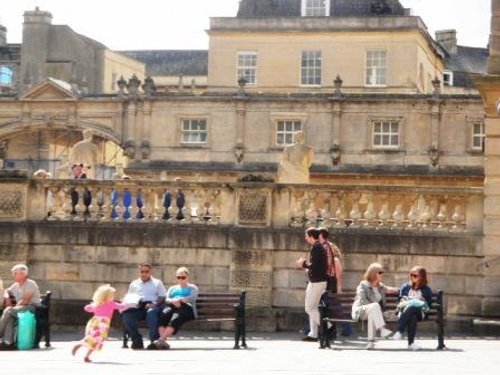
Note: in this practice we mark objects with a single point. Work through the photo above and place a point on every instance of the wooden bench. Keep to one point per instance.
(42, 314)
(220, 307)
(335, 308)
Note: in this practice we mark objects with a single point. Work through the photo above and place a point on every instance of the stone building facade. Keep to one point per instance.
(398, 169)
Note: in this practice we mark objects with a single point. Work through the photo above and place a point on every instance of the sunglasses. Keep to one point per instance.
(181, 277)
(380, 272)
(414, 275)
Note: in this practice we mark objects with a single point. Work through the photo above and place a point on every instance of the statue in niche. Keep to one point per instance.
(3, 152)
(86, 153)
(295, 162)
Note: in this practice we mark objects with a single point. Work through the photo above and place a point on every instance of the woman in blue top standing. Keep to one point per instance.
(180, 308)
(415, 298)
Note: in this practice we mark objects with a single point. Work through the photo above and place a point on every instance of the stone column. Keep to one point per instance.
(239, 147)
(489, 87)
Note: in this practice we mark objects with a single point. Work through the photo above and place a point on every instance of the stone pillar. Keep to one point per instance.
(239, 148)
(146, 132)
(435, 112)
(489, 87)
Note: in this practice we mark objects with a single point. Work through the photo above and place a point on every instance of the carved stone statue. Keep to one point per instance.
(295, 162)
(120, 173)
(3, 152)
(42, 174)
(86, 153)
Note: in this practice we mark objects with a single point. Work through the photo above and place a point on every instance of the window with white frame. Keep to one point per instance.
(386, 134)
(285, 131)
(376, 68)
(194, 131)
(247, 66)
(310, 68)
(478, 136)
(448, 78)
(315, 8)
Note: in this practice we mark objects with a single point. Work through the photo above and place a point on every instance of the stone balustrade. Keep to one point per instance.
(353, 207)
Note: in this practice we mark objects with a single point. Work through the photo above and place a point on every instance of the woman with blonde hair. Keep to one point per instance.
(180, 308)
(370, 302)
(97, 328)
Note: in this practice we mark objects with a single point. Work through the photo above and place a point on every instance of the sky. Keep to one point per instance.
(182, 24)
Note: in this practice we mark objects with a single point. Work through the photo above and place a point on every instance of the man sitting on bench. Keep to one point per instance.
(151, 296)
(21, 296)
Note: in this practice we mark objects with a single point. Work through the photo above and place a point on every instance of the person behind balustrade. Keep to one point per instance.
(78, 171)
(22, 295)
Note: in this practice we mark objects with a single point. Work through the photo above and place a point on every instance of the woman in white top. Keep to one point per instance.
(370, 302)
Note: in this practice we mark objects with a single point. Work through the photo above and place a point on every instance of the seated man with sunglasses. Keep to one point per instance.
(151, 294)
(180, 308)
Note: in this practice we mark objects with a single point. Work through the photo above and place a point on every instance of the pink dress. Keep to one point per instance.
(97, 328)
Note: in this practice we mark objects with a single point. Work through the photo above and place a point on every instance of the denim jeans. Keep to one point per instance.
(408, 319)
(132, 317)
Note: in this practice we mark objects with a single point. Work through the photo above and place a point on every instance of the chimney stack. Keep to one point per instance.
(3, 36)
(35, 46)
(448, 39)
(494, 44)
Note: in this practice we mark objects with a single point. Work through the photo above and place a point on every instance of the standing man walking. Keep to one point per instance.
(317, 273)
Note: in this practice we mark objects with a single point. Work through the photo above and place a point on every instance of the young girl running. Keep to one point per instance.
(97, 328)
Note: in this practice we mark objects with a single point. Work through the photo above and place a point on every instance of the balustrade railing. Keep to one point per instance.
(356, 207)
(113, 201)
(388, 208)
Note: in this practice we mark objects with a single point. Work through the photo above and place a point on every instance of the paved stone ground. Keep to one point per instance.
(276, 353)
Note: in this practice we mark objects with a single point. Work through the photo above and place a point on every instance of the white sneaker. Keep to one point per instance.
(397, 336)
(384, 332)
(414, 347)
(370, 345)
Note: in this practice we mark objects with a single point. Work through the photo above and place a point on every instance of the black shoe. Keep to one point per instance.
(152, 346)
(309, 338)
(5, 347)
(139, 345)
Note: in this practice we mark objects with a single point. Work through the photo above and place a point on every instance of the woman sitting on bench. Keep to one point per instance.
(180, 308)
(370, 302)
(415, 299)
